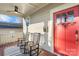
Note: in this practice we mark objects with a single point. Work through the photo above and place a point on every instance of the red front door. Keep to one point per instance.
(66, 31)
(72, 38)
(59, 34)
(60, 39)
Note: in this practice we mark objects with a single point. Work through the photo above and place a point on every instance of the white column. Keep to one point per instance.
(24, 28)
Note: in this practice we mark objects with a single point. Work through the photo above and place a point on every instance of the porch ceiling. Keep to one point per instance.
(25, 8)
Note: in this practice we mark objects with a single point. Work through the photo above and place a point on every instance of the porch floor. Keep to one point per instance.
(14, 50)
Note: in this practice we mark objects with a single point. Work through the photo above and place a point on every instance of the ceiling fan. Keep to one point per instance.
(15, 10)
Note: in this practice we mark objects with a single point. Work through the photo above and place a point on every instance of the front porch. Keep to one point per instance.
(12, 49)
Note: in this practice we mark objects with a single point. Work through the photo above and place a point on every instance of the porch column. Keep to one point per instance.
(26, 23)
(25, 29)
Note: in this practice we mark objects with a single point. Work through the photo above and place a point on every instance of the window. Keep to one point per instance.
(70, 16)
(58, 19)
(64, 17)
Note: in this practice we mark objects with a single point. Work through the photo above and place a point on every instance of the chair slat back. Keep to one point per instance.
(36, 38)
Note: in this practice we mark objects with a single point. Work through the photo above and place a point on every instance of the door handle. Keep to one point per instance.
(76, 34)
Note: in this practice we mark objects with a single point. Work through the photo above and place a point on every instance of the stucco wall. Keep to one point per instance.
(45, 15)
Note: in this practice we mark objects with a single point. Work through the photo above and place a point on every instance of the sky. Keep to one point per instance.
(9, 19)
